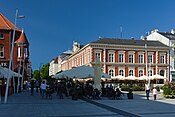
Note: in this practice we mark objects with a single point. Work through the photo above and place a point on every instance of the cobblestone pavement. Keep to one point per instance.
(23, 104)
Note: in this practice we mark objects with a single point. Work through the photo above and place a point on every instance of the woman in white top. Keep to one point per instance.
(147, 88)
(43, 88)
(155, 93)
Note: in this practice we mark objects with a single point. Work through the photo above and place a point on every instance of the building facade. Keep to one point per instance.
(167, 38)
(53, 67)
(21, 55)
(123, 57)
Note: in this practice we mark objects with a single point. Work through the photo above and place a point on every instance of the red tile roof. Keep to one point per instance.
(22, 39)
(6, 24)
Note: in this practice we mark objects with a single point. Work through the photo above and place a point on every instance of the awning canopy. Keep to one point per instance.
(80, 72)
(5, 71)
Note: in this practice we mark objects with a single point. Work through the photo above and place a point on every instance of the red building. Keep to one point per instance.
(21, 54)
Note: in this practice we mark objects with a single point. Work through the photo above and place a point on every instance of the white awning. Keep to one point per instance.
(80, 72)
(5, 71)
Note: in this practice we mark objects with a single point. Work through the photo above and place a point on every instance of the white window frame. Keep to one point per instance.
(123, 59)
(121, 73)
(121, 68)
(25, 52)
(97, 54)
(19, 52)
(111, 57)
(132, 55)
(131, 58)
(162, 55)
(150, 56)
(139, 74)
(141, 59)
(2, 51)
(131, 72)
(111, 72)
(150, 72)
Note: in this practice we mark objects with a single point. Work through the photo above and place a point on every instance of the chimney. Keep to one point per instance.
(172, 31)
(142, 37)
(154, 30)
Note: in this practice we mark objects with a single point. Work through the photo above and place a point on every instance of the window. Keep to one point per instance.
(19, 52)
(131, 59)
(131, 73)
(111, 72)
(1, 51)
(111, 57)
(121, 58)
(162, 72)
(121, 72)
(141, 58)
(1, 36)
(97, 56)
(150, 59)
(150, 73)
(162, 59)
(25, 52)
(140, 73)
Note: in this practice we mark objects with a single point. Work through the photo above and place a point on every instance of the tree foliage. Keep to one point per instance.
(36, 74)
(43, 73)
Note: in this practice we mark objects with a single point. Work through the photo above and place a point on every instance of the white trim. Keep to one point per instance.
(2, 51)
(111, 68)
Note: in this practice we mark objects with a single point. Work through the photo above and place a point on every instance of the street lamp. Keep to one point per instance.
(11, 54)
(23, 72)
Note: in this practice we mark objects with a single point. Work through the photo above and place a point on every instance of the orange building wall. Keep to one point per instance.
(136, 57)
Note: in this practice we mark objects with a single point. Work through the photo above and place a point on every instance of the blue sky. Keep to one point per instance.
(51, 26)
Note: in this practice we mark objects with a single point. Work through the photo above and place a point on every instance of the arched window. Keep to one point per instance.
(150, 73)
(131, 73)
(121, 72)
(140, 73)
(111, 72)
(162, 72)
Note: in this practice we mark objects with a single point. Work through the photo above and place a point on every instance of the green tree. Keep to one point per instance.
(36, 74)
(44, 71)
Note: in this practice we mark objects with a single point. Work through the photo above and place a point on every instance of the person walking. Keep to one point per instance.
(32, 85)
(37, 85)
(147, 88)
(155, 93)
(43, 88)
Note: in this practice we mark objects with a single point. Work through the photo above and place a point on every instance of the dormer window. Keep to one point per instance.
(1, 36)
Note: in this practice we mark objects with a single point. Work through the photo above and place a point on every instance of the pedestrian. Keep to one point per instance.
(155, 93)
(43, 88)
(28, 85)
(32, 84)
(147, 88)
(37, 85)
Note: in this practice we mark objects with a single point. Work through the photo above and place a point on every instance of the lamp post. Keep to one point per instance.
(11, 54)
(19, 69)
(22, 74)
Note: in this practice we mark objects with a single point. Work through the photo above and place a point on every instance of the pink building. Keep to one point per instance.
(122, 57)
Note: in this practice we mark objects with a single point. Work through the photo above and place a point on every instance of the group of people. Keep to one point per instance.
(78, 90)
(147, 89)
(39, 86)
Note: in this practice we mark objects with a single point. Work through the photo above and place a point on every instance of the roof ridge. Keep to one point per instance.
(7, 23)
(3, 18)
